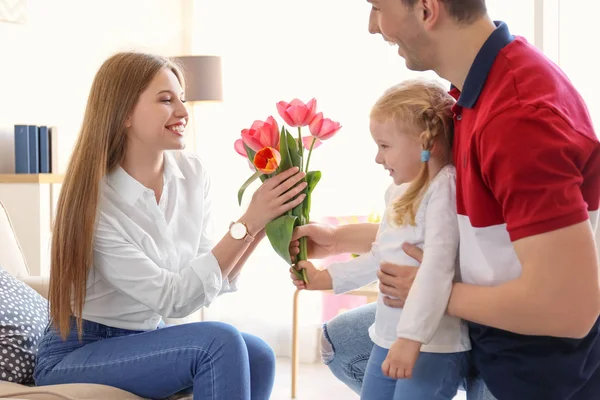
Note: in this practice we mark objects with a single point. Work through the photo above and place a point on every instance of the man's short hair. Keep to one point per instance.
(463, 11)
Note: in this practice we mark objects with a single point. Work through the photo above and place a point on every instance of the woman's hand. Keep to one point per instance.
(320, 240)
(273, 198)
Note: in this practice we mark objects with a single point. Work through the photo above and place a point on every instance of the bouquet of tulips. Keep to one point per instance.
(271, 150)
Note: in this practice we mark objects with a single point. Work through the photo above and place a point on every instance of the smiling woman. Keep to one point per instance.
(132, 243)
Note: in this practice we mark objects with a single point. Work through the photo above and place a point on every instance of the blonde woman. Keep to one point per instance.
(412, 127)
(132, 243)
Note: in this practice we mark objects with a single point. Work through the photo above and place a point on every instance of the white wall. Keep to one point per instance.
(578, 39)
(46, 70)
(47, 65)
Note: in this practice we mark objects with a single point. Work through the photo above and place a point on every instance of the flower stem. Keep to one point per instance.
(303, 243)
(300, 144)
(310, 153)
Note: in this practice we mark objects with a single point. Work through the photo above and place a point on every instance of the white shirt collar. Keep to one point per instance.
(130, 189)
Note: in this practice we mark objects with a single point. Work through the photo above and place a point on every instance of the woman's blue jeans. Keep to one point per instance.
(212, 359)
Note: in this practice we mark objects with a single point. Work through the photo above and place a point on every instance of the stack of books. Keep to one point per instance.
(35, 149)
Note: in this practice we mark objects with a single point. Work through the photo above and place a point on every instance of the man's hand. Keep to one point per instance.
(395, 281)
(401, 359)
(317, 279)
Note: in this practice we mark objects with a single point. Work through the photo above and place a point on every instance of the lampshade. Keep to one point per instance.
(203, 81)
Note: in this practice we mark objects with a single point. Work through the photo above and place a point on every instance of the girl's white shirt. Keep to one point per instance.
(423, 317)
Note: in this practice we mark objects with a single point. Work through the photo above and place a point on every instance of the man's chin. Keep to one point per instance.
(414, 66)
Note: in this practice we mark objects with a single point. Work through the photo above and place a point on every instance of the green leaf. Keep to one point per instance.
(279, 231)
(293, 148)
(312, 178)
(246, 184)
(284, 152)
(251, 153)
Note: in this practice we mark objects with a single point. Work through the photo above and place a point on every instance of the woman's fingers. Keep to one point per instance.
(290, 194)
(277, 179)
(288, 183)
(291, 204)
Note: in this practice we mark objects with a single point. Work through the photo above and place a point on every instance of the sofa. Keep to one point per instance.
(13, 261)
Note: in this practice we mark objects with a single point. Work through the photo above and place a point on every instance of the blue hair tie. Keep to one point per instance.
(425, 155)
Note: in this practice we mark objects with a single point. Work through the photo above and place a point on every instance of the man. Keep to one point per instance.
(528, 191)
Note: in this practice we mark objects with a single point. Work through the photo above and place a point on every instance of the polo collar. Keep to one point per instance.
(482, 65)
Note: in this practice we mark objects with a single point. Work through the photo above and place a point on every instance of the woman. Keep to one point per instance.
(132, 243)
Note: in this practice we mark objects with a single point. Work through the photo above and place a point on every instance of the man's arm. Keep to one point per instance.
(557, 294)
(544, 175)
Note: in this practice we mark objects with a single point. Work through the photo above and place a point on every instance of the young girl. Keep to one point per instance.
(419, 352)
(132, 244)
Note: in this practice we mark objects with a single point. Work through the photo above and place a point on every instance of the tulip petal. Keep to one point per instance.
(298, 114)
(249, 137)
(329, 129)
(267, 160)
(315, 124)
(273, 132)
(282, 106)
(312, 108)
(239, 148)
(307, 142)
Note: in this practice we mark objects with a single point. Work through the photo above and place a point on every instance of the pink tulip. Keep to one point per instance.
(239, 148)
(262, 134)
(307, 142)
(323, 128)
(297, 113)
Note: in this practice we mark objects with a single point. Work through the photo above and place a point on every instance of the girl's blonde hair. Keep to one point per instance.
(100, 147)
(427, 107)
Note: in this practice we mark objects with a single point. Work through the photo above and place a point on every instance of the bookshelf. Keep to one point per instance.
(32, 178)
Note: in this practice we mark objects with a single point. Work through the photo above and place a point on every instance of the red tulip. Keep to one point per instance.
(262, 134)
(267, 160)
(323, 128)
(297, 113)
(239, 148)
(307, 141)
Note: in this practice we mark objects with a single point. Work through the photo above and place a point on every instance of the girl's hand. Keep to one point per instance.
(320, 240)
(274, 197)
(401, 359)
(318, 279)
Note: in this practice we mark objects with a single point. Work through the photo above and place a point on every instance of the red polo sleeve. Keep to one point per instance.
(539, 169)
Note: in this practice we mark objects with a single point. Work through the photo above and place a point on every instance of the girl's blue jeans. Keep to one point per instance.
(346, 347)
(436, 376)
(212, 359)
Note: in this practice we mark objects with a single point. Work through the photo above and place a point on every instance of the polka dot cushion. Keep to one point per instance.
(23, 318)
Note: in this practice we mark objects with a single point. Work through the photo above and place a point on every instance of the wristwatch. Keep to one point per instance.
(239, 231)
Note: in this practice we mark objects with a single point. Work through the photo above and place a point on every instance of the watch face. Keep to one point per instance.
(238, 231)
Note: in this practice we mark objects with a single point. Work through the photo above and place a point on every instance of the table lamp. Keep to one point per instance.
(203, 82)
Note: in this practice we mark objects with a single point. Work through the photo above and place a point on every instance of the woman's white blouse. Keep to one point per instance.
(153, 260)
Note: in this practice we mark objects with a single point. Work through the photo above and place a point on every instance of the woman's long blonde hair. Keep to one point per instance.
(100, 147)
(426, 107)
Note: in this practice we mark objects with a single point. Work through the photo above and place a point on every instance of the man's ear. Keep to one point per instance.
(430, 10)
